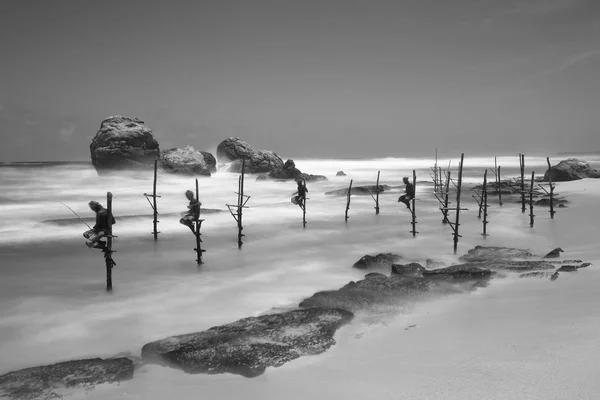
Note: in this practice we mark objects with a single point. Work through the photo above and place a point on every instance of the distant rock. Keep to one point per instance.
(569, 170)
(567, 268)
(554, 253)
(340, 173)
(186, 161)
(556, 202)
(412, 269)
(123, 143)
(248, 346)
(359, 190)
(211, 161)
(233, 149)
(43, 382)
(382, 262)
(481, 253)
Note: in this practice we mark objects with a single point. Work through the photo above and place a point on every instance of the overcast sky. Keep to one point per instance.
(306, 78)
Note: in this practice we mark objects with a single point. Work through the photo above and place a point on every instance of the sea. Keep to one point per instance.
(489, 344)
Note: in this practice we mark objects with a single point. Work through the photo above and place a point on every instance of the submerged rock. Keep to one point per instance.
(359, 190)
(554, 253)
(186, 161)
(414, 269)
(248, 346)
(43, 382)
(509, 265)
(538, 274)
(545, 202)
(123, 143)
(481, 253)
(340, 173)
(569, 170)
(382, 261)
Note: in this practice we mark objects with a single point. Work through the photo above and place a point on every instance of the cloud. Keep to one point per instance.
(571, 61)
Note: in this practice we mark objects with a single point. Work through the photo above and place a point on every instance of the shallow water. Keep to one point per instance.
(54, 306)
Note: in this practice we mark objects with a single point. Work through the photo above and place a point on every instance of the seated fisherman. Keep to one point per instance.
(410, 193)
(101, 229)
(190, 216)
(301, 194)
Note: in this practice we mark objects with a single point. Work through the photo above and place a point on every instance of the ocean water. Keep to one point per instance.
(54, 306)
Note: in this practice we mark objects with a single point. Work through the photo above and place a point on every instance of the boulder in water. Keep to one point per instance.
(186, 161)
(569, 170)
(123, 143)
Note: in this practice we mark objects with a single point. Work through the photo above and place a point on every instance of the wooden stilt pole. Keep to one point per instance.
(376, 194)
(413, 200)
(197, 233)
(484, 203)
(155, 221)
(304, 205)
(522, 164)
(108, 252)
(348, 201)
(446, 197)
(552, 212)
(241, 205)
(458, 188)
(531, 215)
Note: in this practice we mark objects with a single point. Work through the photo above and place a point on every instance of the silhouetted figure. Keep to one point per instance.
(300, 193)
(190, 216)
(99, 230)
(409, 193)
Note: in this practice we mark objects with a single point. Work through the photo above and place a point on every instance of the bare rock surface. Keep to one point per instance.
(569, 170)
(248, 346)
(185, 161)
(481, 253)
(123, 143)
(359, 190)
(381, 262)
(46, 381)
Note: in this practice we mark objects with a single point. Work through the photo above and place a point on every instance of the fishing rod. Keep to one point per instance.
(77, 215)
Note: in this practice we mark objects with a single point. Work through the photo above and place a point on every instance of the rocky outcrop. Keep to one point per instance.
(248, 346)
(233, 149)
(554, 253)
(123, 143)
(210, 160)
(340, 173)
(359, 190)
(43, 382)
(569, 170)
(259, 162)
(545, 202)
(288, 171)
(381, 262)
(481, 253)
(186, 161)
(509, 265)
(411, 269)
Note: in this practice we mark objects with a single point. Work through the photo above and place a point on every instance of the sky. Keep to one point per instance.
(305, 78)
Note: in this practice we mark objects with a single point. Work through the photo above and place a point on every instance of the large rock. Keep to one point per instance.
(43, 382)
(509, 265)
(288, 171)
(233, 149)
(248, 346)
(186, 161)
(211, 161)
(569, 170)
(259, 162)
(123, 143)
(481, 253)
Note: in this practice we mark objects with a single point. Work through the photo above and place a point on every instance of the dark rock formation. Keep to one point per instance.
(123, 143)
(569, 170)
(545, 202)
(233, 149)
(458, 272)
(41, 382)
(186, 161)
(509, 265)
(248, 346)
(537, 274)
(567, 268)
(554, 253)
(481, 253)
(288, 171)
(371, 275)
(412, 269)
(359, 190)
(259, 162)
(210, 160)
(340, 173)
(382, 261)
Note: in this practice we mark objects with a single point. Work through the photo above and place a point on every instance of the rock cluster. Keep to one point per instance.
(186, 161)
(569, 170)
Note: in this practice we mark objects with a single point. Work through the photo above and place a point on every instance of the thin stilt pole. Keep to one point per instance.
(198, 248)
(304, 205)
(458, 188)
(240, 205)
(446, 197)
(522, 164)
(348, 201)
(552, 212)
(484, 203)
(413, 200)
(108, 252)
(155, 222)
(376, 194)
(531, 215)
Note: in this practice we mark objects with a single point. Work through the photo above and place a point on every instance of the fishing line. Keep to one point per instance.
(77, 215)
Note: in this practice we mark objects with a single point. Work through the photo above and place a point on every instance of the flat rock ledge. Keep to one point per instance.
(43, 382)
(248, 346)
